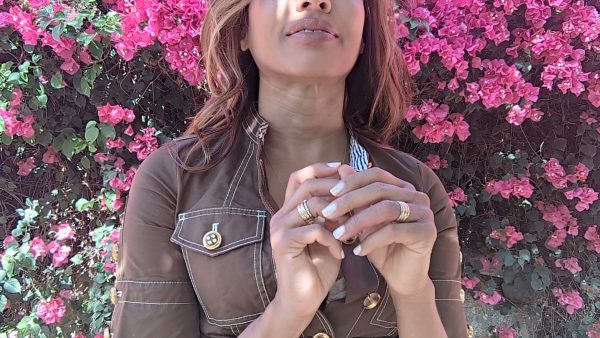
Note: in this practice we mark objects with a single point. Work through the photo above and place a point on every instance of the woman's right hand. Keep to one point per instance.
(307, 257)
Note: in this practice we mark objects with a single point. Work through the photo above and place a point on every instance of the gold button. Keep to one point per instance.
(321, 335)
(212, 240)
(371, 300)
(462, 295)
(115, 252)
(114, 295)
(350, 240)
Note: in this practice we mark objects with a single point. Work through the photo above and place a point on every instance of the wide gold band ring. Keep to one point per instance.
(305, 213)
(404, 212)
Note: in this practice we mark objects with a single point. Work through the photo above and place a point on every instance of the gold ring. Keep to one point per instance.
(304, 212)
(404, 211)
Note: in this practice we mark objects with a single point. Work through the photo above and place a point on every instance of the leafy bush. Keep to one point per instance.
(506, 113)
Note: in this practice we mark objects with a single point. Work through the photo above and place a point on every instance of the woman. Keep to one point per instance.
(359, 242)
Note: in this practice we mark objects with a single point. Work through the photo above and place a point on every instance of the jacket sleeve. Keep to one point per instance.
(445, 268)
(154, 295)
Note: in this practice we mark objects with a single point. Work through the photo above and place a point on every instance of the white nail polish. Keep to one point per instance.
(337, 233)
(330, 209)
(337, 188)
(357, 250)
(343, 255)
(334, 164)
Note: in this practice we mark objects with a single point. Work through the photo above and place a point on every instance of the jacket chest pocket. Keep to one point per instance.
(223, 251)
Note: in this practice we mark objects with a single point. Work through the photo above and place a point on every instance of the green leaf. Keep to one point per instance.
(82, 204)
(12, 286)
(2, 125)
(91, 134)
(108, 130)
(57, 31)
(85, 162)
(77, 259)
(68, 148)
(85, 38)
(536, 282)
(560, 144)
(589, 150)
(3, 302)
(56, 80)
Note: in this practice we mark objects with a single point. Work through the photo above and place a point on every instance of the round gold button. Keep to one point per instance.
(371, 300)
(350, 240)
(115, 252)
(212, 240)
(462, 295)
(321, 335)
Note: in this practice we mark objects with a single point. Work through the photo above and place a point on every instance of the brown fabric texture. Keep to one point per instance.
(170, 285)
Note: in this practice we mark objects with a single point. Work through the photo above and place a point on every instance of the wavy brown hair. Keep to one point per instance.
(378, 89)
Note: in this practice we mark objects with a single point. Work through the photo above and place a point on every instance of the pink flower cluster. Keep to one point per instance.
(470, 283)
(12, 125)
(492, 299)
(115, 114)
(457, 196)
(144, 144)
(555, 173)
(517, 187)
(60, 252)
(591, 234)
(51, 311)
(594, 331)
(586, 197)
(506, 332)
(125, 185)
(571, 264)
(439, 126)
(509, 235)
(563, 221)
(593, 94)
(435, 162)
(572, 301)
(176, 24)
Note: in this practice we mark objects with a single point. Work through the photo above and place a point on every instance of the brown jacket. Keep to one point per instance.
(171, 283)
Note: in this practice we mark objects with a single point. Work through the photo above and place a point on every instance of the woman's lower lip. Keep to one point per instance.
(316, 36)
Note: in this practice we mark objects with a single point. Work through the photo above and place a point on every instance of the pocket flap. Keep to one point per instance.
(237, 227)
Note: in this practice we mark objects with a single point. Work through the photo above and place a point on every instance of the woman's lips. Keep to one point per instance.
(312, 36)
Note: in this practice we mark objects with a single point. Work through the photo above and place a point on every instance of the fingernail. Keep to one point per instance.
(357, 250)
(343, 255)
(337, 233)
(329, 210)
(337, 188)
(334, 164)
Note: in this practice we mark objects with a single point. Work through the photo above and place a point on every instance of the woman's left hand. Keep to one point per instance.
(400, 251)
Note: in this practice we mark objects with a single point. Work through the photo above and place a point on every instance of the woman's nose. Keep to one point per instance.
(324, 5)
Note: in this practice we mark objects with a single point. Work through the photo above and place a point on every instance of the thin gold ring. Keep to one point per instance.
(404, 212)
(304, 212)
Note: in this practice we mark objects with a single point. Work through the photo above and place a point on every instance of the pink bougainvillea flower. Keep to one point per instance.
(115, 114)
(112, 143)
(51, 311)
(572, 301)
(435, 162)
(60, 253)
(586, 196)
(555, 173)
(457, 196)
(26, 166)
(37, 247)
(129, 131)
(67, 294)
(506, 332)
(144, 144)
(113, 237)
(492, 299)
(64, 232)
(509, 236)
(571, 264)
(594, 331)
(591, 234)
(470, 283)
(7, 240)
(517, 187)
(50, 156)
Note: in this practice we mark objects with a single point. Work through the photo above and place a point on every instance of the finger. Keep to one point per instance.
(308, 188)
(383, 212)
(297, 239)
(365, 177)
(317, 170)
(292, 218)
(371, 194)
(417, 237)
